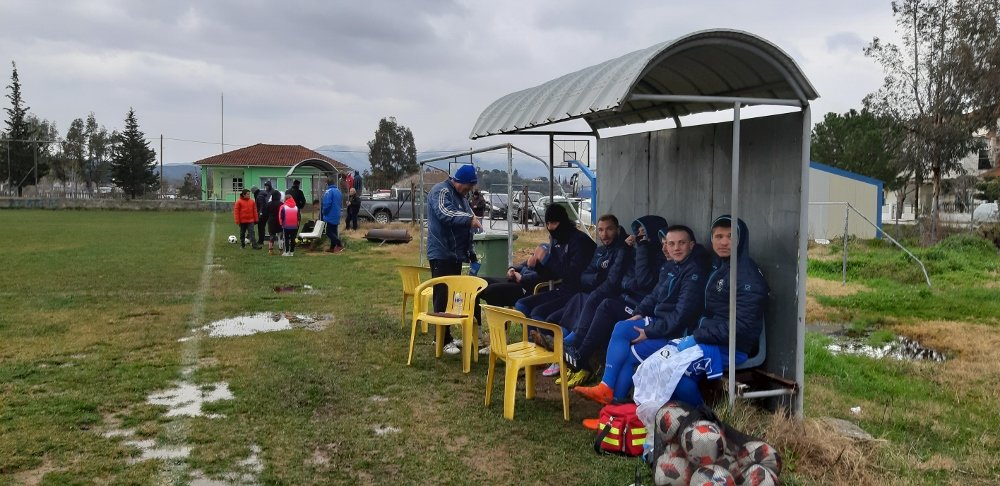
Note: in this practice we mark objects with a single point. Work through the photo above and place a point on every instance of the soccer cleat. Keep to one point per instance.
(452, 348)
(552, 370)
(578, 378)
(601, 393)
(484, 351)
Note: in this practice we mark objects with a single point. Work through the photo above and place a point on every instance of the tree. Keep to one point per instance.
(392, 152)
(133, 161)
(989, 190)
(191, 189)
(19, 149)
(96, 168)
(977, 58)
(859, 142)
(920, 89)
(74, 150)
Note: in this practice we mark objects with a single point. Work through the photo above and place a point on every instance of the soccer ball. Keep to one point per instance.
(712, 475)
(668, 421)
(757, 452)
(232, 238)
(672, 471)
(757, 475)
(703, 443)
(731, 464)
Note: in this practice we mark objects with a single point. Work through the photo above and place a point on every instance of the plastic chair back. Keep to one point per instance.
(410, 275)
(758, 358)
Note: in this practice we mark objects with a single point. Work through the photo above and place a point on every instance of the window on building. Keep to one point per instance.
(237, 184)
(984, 159)
(272, 180)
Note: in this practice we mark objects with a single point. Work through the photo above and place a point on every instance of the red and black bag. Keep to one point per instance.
(620, 430)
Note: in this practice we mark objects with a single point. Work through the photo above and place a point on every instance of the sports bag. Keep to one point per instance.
(620, 431)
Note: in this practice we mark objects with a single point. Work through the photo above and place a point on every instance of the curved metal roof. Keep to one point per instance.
(716, 62)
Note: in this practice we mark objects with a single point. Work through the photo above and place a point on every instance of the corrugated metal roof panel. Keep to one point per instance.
(708, 63)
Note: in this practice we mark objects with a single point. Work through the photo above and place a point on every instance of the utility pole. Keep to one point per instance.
(222, 130)
(161, 165)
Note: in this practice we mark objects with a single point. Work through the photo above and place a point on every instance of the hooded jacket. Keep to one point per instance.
(449, 229)
(330, 207)
(570, 252)
(647, 258)
(288, 215)
(607, 267)
(676, 302)
(751, 299)
(244, 210)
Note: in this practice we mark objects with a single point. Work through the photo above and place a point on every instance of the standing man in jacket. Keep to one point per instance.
(330, 209)
(450, 224)
(297, 194)
(245, 215)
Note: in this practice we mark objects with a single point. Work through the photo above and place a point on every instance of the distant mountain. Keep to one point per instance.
(174, 173)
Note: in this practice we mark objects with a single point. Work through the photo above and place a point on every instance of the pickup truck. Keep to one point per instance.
(395, 206)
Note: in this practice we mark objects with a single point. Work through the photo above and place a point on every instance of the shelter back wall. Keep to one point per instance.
(684, 175)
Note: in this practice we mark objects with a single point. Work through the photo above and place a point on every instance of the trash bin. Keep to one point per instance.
(492, 251)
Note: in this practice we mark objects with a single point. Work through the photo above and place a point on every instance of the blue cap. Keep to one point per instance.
(465, 174)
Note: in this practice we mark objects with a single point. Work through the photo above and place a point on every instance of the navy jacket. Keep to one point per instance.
(647, 258)
(676, 302)
(751, 299)
(568, 257)
(606, 268)
(449, 230)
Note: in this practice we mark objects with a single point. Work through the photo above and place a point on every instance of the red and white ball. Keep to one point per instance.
(712, 475)
(758, 452)
(668, 421)
(672, 471)
(757, 475)
(703, 443)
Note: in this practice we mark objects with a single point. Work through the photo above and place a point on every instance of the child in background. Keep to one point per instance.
(288, 216)
(273, 225)
(245, 215)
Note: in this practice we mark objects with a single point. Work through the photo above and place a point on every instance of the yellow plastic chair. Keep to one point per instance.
(468, 287)
(519, 355)
(411, 279)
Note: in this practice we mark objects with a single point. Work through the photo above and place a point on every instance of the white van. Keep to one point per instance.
(986, 212)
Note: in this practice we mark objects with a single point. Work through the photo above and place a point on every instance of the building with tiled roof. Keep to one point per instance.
(225, 175)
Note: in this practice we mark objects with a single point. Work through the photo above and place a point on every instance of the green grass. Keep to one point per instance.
(94, 302)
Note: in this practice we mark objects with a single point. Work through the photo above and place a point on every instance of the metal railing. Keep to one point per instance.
(847, 219)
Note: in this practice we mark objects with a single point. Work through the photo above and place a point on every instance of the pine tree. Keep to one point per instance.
(18, 149)
(191, 189)
(133, 161)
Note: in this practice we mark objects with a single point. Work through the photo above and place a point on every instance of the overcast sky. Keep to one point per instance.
(321, 72)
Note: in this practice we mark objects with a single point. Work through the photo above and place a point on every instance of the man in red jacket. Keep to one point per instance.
(245, 214)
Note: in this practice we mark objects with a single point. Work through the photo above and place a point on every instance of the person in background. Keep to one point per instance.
(297, 194)
(330, 211)
(478, 203)
(245, 215)
(271, 217)
(260, 198)
(450, 223)
(353, 208)
(288, 216)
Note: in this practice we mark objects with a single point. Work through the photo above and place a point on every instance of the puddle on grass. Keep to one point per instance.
(264, 322)
(188, 398)
(388, 429)
(150, 451)
(901, 348)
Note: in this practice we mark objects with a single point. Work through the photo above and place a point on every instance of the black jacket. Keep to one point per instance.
(676, 302)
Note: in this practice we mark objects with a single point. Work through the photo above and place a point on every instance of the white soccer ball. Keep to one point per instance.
(668, 421)
(232, 238)
(672, 471)
(712, 475)
(703, 443)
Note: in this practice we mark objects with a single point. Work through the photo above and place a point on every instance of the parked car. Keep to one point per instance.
(388, 205)
(520, 203)
(496, 205)
(538, 208)
(986, 212)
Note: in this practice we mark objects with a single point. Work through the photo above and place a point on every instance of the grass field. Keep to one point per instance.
(94, 303)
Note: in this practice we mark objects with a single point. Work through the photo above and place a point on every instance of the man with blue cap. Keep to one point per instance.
(450, 224)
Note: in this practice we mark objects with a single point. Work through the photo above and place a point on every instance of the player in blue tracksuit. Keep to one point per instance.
(712, 333)
(670, 311)
(450, 224)
(604, 274)
(593, 327)
(569, 254)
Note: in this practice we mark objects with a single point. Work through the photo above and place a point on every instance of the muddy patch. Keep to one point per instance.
(249, 324)
(383, 430)
(150, 450)
(295, 289)
(901, 349)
